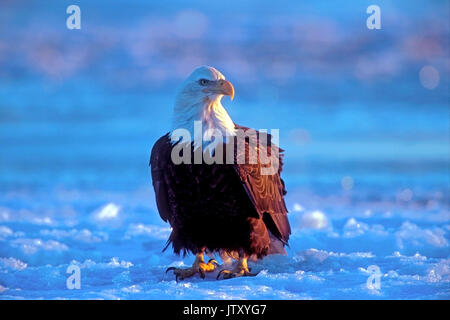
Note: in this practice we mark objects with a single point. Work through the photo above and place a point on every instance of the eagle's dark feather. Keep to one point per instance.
(229, 207)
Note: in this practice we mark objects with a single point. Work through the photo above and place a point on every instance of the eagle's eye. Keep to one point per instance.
(203, 82)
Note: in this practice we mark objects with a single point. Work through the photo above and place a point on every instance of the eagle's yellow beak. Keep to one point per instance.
(222, 87)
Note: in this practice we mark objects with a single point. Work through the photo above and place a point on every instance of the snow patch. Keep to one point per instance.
(413, 235)
(31, 246)
(83, 235)
(43, 221)
(4, 214)
(115, 263)
(354, 228)
(132, 289)
(440, 272)
(312, 255)
(139, 229)
(314, 220)
(5, 232)
(108, 212)
(12, 264)
(364, 255)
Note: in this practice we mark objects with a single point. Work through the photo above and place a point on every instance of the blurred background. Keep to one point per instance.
(363, 114)
(82, 108)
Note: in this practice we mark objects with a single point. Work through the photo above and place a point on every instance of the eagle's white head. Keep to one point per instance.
(199, 99)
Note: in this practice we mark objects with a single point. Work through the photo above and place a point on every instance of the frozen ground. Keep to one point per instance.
(367, 145)
(118, 248)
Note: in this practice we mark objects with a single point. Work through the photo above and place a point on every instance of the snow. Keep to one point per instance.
(31, 246)
(366, 146)
(12, 264)
(313, 220)
(126, 262)
(108, 212)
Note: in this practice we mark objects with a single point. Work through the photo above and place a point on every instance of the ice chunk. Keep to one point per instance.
(108, 212)
(354, 228)
(314, 220)
(312, 255)
(298, 207)
(119, 264)
(132, 289)
(440, 272)
(412, 235)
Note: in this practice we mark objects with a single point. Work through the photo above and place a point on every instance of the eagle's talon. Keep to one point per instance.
(202, 273)
(213, 261)
(240, 270)
(170, 268)
(224, 271)
(199, 266)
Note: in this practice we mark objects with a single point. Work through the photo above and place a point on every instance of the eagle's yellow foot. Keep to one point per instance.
(240, 270)
(199, 266)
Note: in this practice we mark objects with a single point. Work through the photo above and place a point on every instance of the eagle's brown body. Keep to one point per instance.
(220, 207)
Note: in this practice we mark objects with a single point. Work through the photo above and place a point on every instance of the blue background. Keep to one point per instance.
(365, 138)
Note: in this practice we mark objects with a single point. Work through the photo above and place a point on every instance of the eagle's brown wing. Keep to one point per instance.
(159, 159)
(266, 191)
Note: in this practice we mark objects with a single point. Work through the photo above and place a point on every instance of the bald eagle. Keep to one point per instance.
(227, 207)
